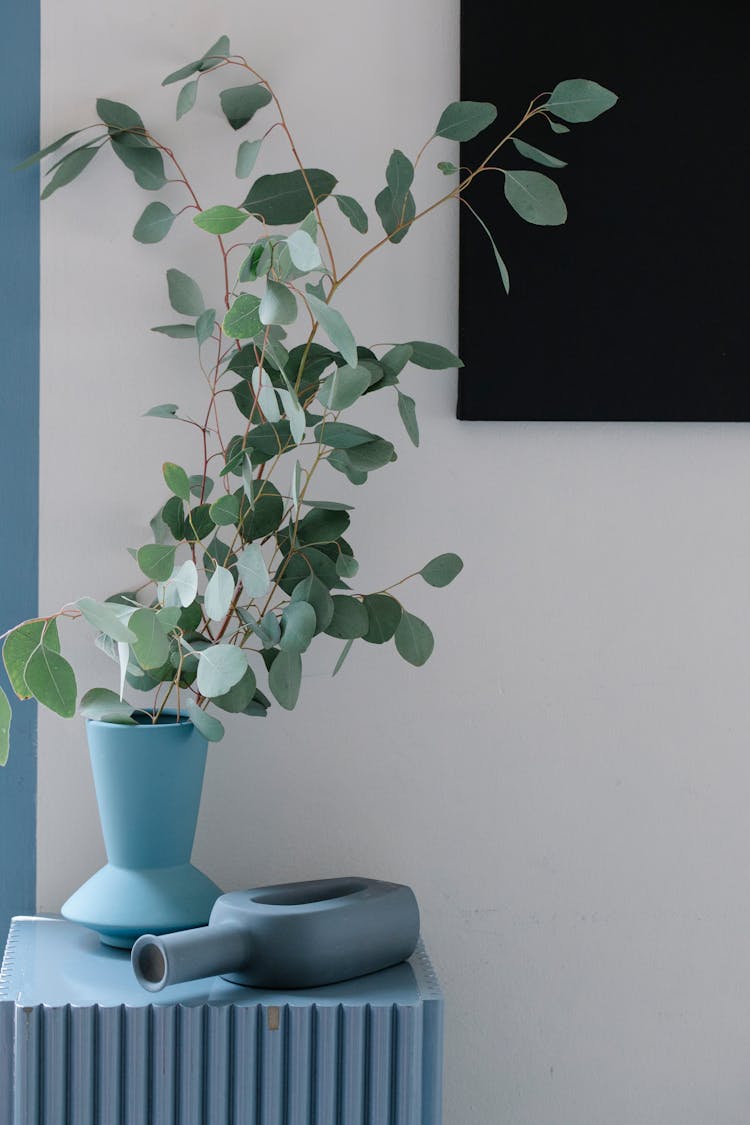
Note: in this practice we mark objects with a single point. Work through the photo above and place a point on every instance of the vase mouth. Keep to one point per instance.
(144, 720)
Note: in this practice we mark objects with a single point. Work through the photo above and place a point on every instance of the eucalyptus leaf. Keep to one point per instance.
(370, 456)
(251, 567)
(144, 162)
(105, 617)
(346, 566)
(298, 624)
(536, 154)
(69, 168)
(220, 219)
(46, 151)
(344, 653)
(384, 614)
(209, 726)
(504, 275)
(247, 154)
(176, 331)
(432, 356)
(242, 321)
(220, 667)
(447, 167)
(265, 394)
(186, 98)
(395, 360)
(287, 197)
(535, 197)
(212, 57)
(20, 643)
(350, 618)
(335, 328)
(204, 326)
(344, 387)
(151, 644)
(278, 305)
(119, 116)
(311, 590)
(354, 212)
(183, 583)
(241, 103)
(441, 570)
(461, 121)
(51, 680)
(154, 224)
(414, 639)
(176, 480)
(303, 251)
(165, 410)
(294, 413)
(239, 696)
(105, 706)
(285, 677)
(579, 99)
(408, 410)
(218, 595)
(184, 294)
(157, 562)
(226, 510)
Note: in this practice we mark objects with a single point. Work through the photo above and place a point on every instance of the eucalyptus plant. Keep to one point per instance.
(249, 560)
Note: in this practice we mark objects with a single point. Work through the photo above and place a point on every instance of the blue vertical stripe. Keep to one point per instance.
(19, 436)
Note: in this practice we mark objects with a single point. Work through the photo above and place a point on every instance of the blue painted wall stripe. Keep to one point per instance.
(19, 436)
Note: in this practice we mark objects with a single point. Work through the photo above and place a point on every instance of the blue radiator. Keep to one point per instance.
(82, 1044)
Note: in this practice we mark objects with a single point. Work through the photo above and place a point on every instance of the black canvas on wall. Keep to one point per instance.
(636, 308)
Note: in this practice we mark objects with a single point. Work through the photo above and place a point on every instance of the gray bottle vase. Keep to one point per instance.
(294, 935)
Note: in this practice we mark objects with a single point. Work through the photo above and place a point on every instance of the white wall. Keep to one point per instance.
(565, 783)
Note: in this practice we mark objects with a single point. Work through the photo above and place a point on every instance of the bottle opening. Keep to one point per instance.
(150, 964)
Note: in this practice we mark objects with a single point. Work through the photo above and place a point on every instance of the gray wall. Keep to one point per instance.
(564, 784)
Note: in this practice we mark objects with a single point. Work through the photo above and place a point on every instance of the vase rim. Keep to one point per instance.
(169, 715)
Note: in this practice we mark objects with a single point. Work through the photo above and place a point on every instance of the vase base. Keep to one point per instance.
(122, 903)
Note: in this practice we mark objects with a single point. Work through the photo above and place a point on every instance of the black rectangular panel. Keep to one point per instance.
(636, 308)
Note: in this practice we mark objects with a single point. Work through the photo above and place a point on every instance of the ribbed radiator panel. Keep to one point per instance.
(369, 1059)
(204, 1065)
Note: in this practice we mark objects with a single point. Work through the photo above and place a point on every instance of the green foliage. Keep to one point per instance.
(536, 198)
(461, 121)
(287, 197)
(395, 203)
(220, 219)
(261, 565)
(579, 99)
(241, 103)
(154, 224)
(504, 275)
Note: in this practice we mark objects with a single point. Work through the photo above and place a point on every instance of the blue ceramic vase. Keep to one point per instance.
(148, 781)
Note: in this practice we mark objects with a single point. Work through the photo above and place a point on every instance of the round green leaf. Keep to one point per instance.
(432, 356)
(108, 617)
(226, 510)
(219, 593)
(252, 570)
(238, 697)
(384, 614)
(354, 212)
(279, 305)
(344, 387)
(156, 560)
(18, 647)
(151, 646)
(303, 251)
(220, 667)
(536, 198)
(350, 618)
(186, 98)
(335, 328)
(298, 624)
(414, 640)
(154, 223)
(441, 570)
(105, 706)
(242, 320)
(207, 725)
